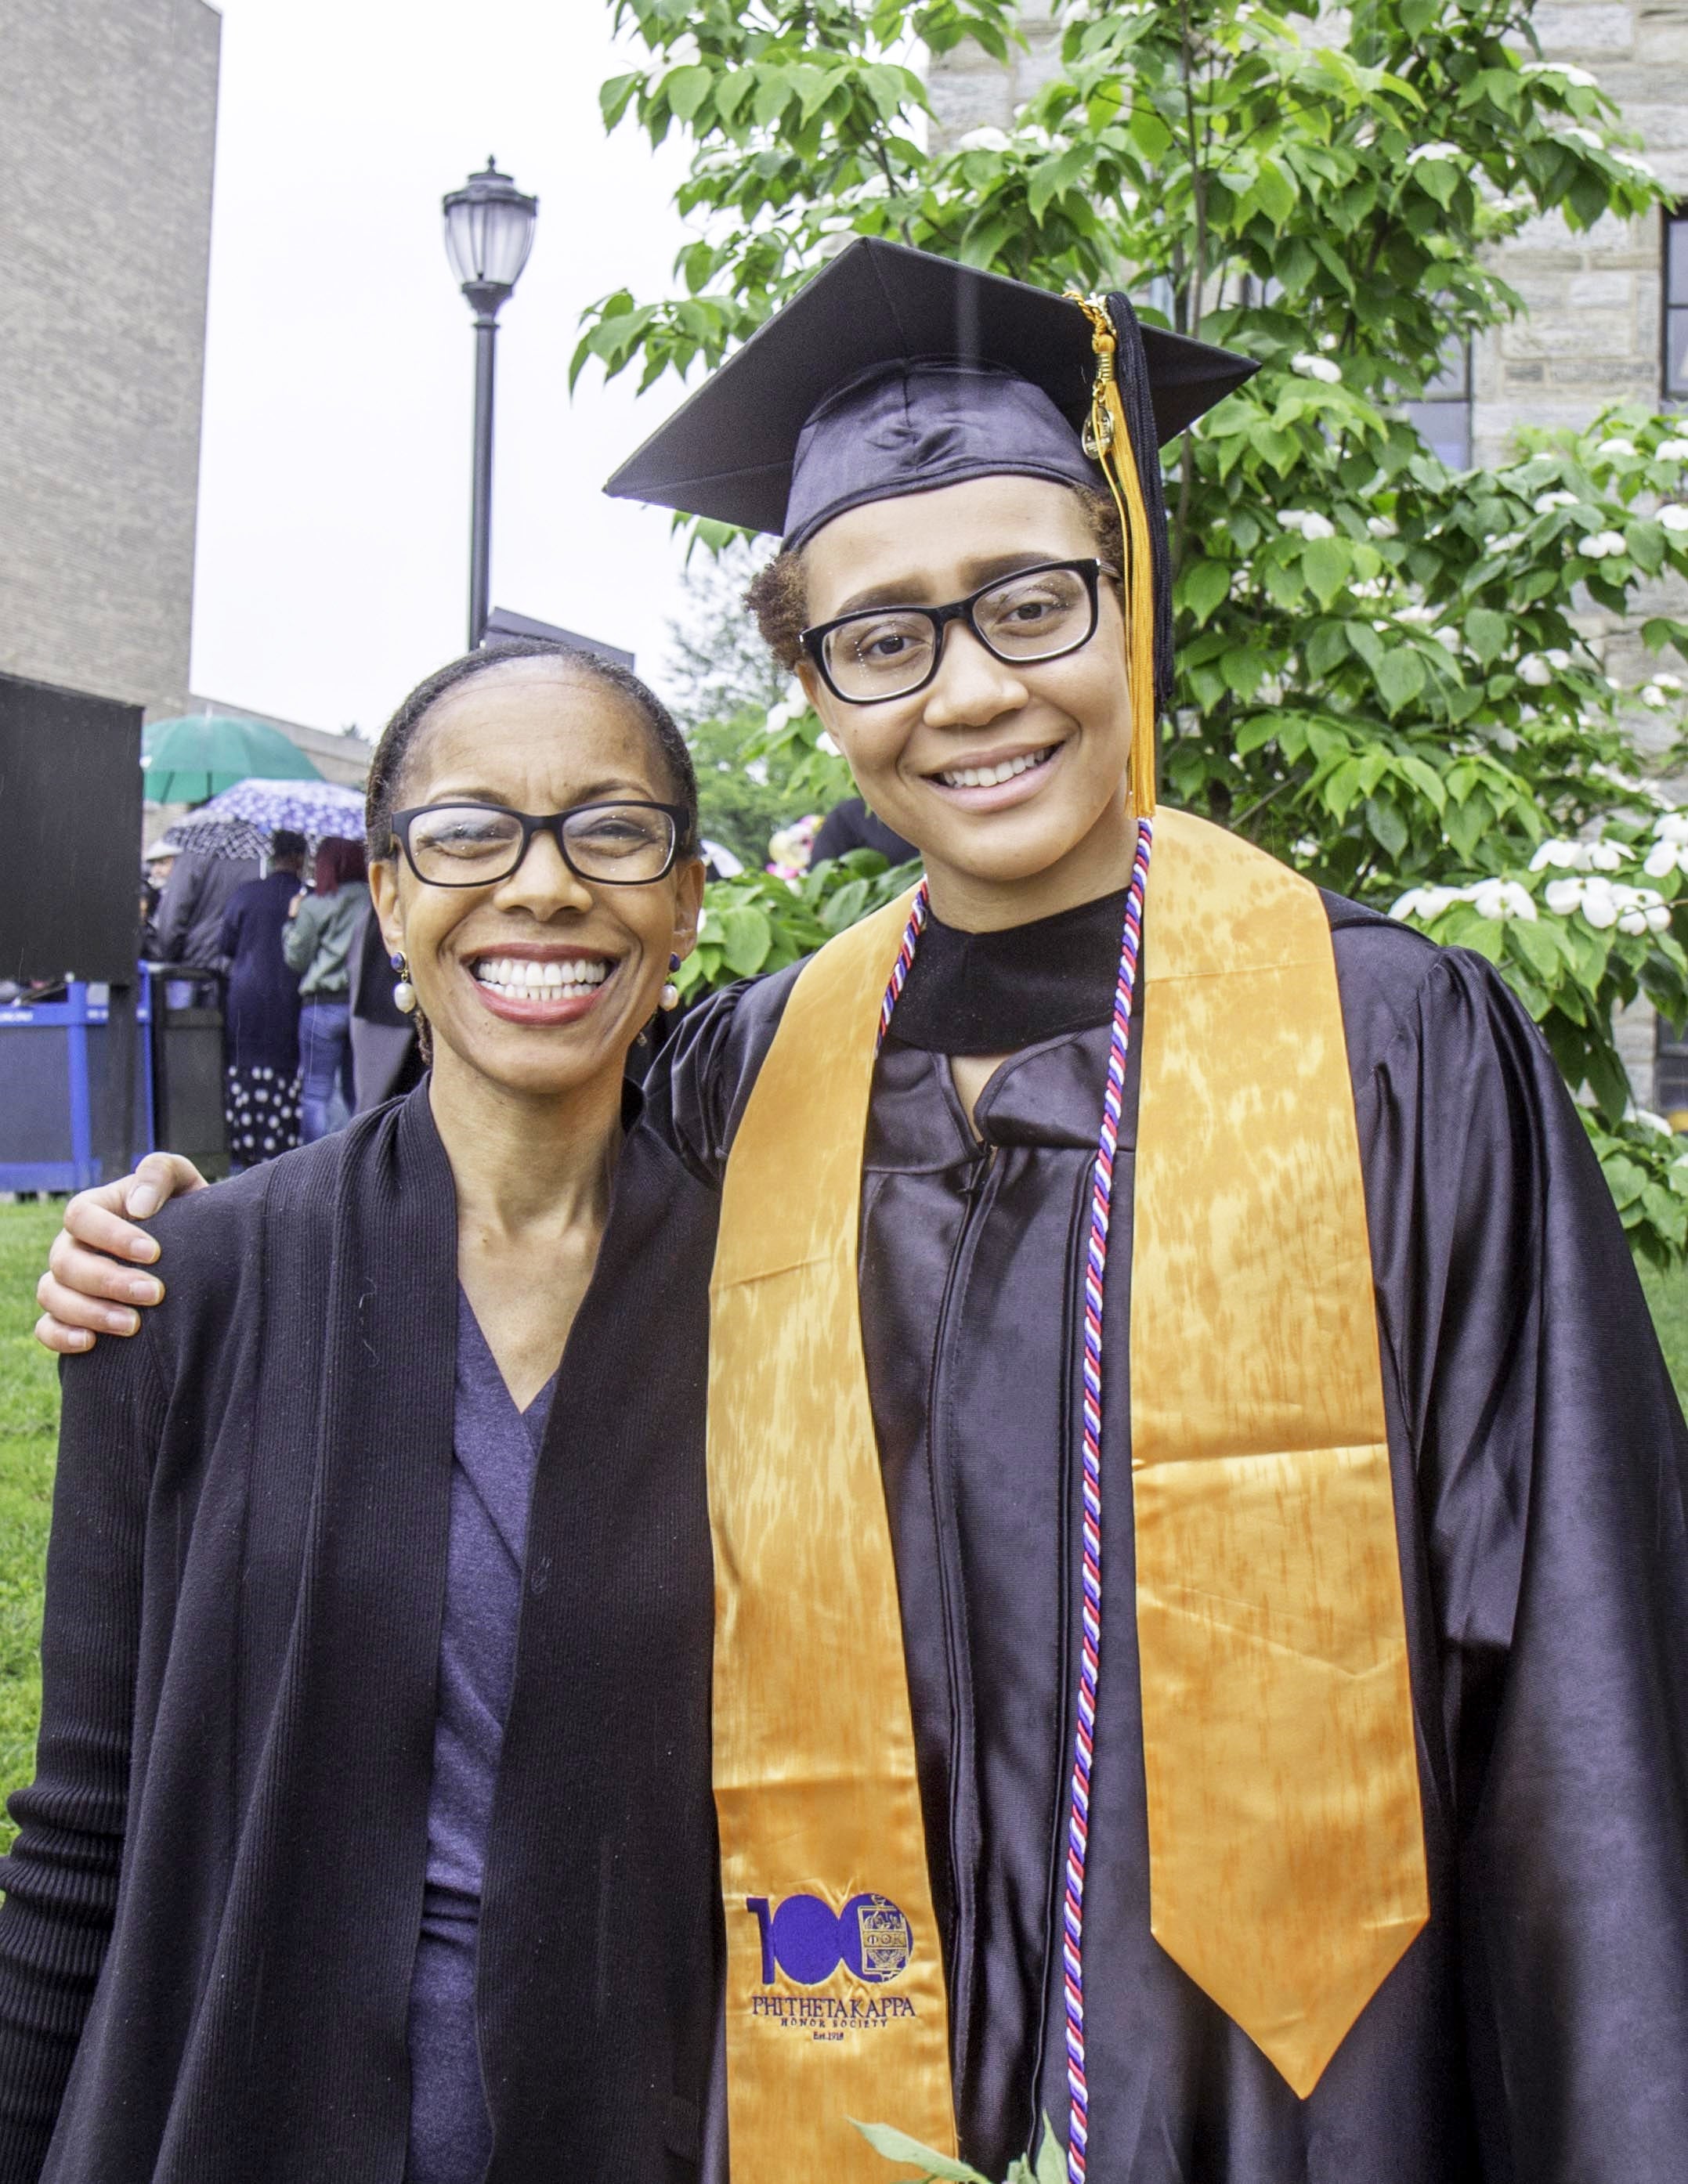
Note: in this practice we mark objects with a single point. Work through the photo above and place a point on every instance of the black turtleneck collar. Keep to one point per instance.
(994, 993)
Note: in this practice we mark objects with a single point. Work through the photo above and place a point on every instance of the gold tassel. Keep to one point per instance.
(1108, 441)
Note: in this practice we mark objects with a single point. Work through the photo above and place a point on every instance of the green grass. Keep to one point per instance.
(28, 1419)
(28, 1423)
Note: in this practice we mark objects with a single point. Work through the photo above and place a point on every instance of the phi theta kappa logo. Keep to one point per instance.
(807, 1939)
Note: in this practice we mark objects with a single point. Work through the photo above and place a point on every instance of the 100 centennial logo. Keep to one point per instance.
(804, 1938)
(807, 1939)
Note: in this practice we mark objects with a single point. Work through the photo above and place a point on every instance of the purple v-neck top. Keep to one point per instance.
(496, 1449)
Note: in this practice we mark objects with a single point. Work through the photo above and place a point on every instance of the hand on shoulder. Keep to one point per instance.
(93, 1282)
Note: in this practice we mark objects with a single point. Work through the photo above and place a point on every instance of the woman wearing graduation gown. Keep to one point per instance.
(239, 1942)
(1280, 1775)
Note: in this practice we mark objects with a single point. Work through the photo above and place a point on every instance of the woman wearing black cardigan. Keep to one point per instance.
(245, 1909)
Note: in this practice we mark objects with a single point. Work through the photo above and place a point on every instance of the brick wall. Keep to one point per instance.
(108, 112)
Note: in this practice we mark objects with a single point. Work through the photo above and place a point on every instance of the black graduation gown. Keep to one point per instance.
(1537, 2031)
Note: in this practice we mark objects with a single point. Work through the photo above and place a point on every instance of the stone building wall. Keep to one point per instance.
(108, 115)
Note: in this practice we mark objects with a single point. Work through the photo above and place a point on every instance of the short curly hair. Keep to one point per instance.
(779, 598)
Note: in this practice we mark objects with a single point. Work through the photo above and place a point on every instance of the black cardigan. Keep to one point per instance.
(212, 1906)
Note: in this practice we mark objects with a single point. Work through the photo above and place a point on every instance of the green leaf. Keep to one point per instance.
(1202, 586)
(772, 96)
(1052, 2161)
(1255, 733)
(1325, 645)
(1327, 562)
(1625, 1180)
(898, 2146)
(746, 936)
(1387, 825)
(686, 88)
(1053, 176)
(1364, 641)
(1425, 778)
(1401, 677)
(1486, 632)
(1538, 945)
(1609, 1082)
(1440, 177)
(1276, 192)
(1244, 669)
(1149, 133)
(613, 98)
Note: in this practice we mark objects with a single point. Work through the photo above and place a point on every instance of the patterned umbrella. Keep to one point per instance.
(201, 754)
(240, 822)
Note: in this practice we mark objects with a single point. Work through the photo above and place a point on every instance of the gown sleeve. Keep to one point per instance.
(697, 1088)
(61, 1878)
(1550, 1462)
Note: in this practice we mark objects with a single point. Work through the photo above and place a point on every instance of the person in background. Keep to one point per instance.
(851, 826)
(261, 1013)
(317, 944)
(155, 869)
(189, 925)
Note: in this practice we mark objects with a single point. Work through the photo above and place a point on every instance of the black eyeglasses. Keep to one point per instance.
(618, 844)
(1039, 613)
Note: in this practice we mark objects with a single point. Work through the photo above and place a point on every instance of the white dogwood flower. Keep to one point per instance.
(1674, 518)
(1580, 77)
(1382, 526)
(1316, 367)
(1671, 451)
(1602, 545)
(1563, 896)
(1432, 152)
(1502, 899)
(1545, 502)
(983, 140)
(1426, 902)
(1616, 445)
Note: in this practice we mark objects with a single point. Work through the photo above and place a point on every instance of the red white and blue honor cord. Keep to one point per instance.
(1095, 1278)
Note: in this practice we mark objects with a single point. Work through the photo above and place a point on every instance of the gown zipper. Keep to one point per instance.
(963, 1838)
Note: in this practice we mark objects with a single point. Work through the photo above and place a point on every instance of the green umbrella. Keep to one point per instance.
(186, 761)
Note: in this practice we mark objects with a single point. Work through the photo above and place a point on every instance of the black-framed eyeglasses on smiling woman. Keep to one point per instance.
(623, 843)
(1036, 614)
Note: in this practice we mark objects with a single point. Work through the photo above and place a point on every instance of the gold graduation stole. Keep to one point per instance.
(1287, 1859)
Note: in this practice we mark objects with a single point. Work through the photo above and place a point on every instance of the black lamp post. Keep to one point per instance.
(489, 233)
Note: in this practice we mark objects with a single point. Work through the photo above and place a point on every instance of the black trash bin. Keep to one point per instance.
(188, 1065)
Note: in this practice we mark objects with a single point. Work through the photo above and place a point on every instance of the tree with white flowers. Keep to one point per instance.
(1384, 672)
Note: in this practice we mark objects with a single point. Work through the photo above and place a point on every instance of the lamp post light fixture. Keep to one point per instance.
(488, 233)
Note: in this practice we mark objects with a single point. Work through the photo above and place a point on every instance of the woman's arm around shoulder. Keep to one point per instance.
(700, 1083)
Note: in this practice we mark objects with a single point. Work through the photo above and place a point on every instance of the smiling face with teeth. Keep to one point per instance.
(1010, 779)
(539, 983)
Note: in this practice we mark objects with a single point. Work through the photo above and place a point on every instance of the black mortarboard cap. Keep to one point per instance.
(910, 371)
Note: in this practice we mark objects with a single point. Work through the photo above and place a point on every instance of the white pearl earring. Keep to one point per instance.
(404, 994)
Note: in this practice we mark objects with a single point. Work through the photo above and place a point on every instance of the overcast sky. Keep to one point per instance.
(334, 483)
